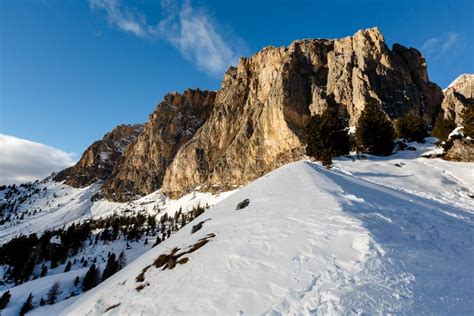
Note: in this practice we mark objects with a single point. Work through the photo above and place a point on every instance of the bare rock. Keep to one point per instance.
(461, 150)
(174, 122)
(459, 95)
(99, 159)
(258, 121)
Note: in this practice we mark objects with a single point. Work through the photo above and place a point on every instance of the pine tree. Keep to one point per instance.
(68, 266)
(374, 133)
(467, 117)
(327, 136)
(5, 299)
(122, 260)
(44, 271)
(443, 127)
(412, 127)
(111, 268)
(76, 281)
(27, 306)
(91, 278)
(52, 294)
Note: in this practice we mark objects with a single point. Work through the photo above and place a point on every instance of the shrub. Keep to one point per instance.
(443, 127)
(412, 128)
(374, 133)
(327, 136)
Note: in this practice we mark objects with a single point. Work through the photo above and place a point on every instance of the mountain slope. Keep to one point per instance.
(311, 241)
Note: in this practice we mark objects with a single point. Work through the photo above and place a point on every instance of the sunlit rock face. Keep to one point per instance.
(264, 103)
(458, 96)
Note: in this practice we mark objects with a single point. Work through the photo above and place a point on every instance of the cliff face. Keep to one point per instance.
(100, 158)
(257, 122)
(459, 95)
(174, 122)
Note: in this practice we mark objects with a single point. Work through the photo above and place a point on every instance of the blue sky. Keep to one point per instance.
(72, 70)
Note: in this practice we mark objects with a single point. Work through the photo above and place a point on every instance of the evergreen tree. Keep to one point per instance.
(91, 278)
(443, 127)
(76, 281)
(27, 306)
(42, 302)
(52, 294)
(122, 260)
(111, 268)
(412, 127)
(68, 266)
(44, 271)
(5, 299)
(374, 133)
(467, 117)
(327, 136)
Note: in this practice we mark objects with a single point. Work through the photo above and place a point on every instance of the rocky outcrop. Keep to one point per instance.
(264, 103)
(459, 95)
(461, 150)
(142, 168)
(100, 158)
(255, 122)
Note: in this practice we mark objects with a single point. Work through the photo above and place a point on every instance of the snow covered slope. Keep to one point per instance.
(311, 241)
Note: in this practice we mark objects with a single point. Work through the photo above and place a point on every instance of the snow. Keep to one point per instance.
(316, 241)
(381, 235)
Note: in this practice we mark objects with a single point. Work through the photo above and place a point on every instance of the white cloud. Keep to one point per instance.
(22, 160)
(439, 46)
(121, 17)
(191, 31)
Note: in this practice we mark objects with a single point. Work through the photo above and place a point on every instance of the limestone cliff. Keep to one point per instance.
(100, 158)
(174, 122)
(255, 122)
(264, 103)
(459, 95)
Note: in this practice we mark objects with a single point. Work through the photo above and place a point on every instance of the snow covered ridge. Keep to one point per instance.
(374, 235)
(310, 241)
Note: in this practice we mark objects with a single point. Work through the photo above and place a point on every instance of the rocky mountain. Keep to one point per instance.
(264, 103)
(457, 96)
(100, 158)
(174, 122)
(255, 122)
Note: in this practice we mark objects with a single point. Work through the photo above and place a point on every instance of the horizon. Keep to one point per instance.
(90, 66)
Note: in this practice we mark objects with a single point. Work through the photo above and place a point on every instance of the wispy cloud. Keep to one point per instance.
(439, 46)
(190, 30)
(22, 160)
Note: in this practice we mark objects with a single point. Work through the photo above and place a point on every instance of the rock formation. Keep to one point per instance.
(459, 95)
(173, 123)
(461, 150)
(255, 122)
(262, 108)
(100, 158)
